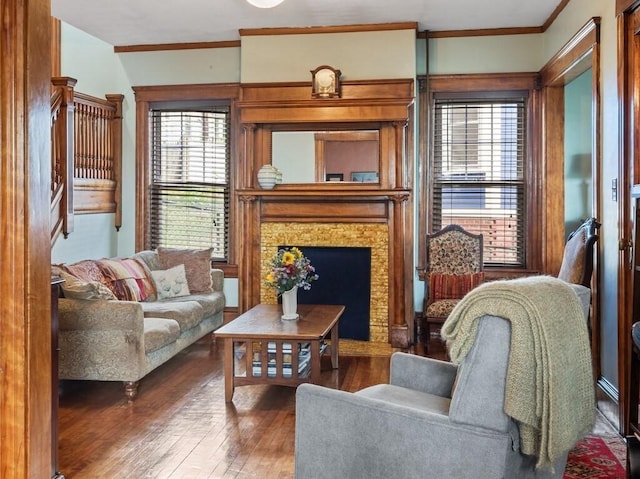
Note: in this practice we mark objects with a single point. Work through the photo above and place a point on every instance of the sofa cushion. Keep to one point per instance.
(159, 332)
(211, 303)
(150, 258)
(408, 398)
(130, 280)
(441, 308)
(187, 313)
(75, 288)
(197, 264)
(171, 283)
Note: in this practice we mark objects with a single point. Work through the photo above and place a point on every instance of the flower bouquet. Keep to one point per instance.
(289, 268)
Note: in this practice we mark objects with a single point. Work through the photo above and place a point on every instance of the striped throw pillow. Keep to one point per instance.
(128, 278)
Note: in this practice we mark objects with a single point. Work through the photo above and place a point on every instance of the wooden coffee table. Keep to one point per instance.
(261, 348)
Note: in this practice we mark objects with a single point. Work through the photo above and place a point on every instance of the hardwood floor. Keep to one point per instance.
(180, 427)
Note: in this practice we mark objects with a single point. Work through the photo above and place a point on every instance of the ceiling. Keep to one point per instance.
(148, 22)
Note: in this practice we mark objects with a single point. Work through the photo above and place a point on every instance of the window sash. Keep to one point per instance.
(189, 179)
(478, 173)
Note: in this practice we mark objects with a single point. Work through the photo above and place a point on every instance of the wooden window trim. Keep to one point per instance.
(486, 83)
(145, 97)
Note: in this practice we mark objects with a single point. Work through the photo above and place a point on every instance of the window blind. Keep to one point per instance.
(478, 175)
(189, 191)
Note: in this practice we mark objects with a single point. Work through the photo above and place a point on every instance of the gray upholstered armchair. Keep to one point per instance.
(433, 419)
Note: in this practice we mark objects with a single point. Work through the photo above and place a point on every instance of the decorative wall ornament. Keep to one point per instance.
(325, 82)
(267, 177)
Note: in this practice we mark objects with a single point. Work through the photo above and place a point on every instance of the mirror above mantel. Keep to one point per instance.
(317, 156)
(356, 141)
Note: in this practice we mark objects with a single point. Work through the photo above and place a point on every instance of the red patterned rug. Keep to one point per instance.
(597, 457)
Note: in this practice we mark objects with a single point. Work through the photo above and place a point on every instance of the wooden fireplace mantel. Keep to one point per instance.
(323, 204)
(321, 191)
(348, 207)
(383, 105)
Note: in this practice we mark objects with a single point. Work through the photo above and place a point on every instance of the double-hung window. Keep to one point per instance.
(189, 189)
(478, 175)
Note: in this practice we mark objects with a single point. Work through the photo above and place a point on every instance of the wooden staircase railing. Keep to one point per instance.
(86, 141)
(62, 157)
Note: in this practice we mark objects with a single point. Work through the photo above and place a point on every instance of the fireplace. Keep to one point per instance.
(333, 214)
(348, 236)
(344, 278)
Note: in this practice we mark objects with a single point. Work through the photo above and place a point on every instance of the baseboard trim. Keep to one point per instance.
(608, 398)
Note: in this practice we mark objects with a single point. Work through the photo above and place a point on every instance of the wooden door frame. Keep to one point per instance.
(627, 155)
(25, 248)
(578, 55)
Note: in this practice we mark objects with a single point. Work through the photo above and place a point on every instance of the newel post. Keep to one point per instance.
(116, 147)
(64, 139)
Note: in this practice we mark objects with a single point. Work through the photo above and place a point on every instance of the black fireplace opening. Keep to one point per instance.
(344, 278)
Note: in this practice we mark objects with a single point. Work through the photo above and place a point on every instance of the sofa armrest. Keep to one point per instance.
(101, 340)
(217, 279)
(423, 374)
(80, 314)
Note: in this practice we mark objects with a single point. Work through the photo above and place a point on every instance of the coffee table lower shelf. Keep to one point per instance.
(279, 365)
(260, 348)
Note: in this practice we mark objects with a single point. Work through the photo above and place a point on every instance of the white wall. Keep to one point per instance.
(94, 236)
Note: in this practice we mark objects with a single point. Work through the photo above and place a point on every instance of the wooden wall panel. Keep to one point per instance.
(554, 179)
(322, 210)
(25, 254)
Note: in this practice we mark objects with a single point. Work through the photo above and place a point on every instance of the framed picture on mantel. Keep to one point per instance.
(335, 177)
(364, 176)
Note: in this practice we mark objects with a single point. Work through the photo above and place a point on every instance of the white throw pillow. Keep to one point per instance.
(171, 283)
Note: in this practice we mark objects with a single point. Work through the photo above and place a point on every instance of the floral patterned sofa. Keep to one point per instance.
(121, 318)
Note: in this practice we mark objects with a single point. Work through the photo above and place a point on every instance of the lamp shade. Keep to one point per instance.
(265, 3)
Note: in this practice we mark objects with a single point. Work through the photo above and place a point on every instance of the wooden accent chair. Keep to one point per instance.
(577, 261)
(453, 268)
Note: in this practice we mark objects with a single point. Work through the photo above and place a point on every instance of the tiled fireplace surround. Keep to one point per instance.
(327, 216)
(374, 236)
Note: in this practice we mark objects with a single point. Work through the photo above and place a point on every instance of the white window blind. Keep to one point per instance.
(189, 203)
(478, 175)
